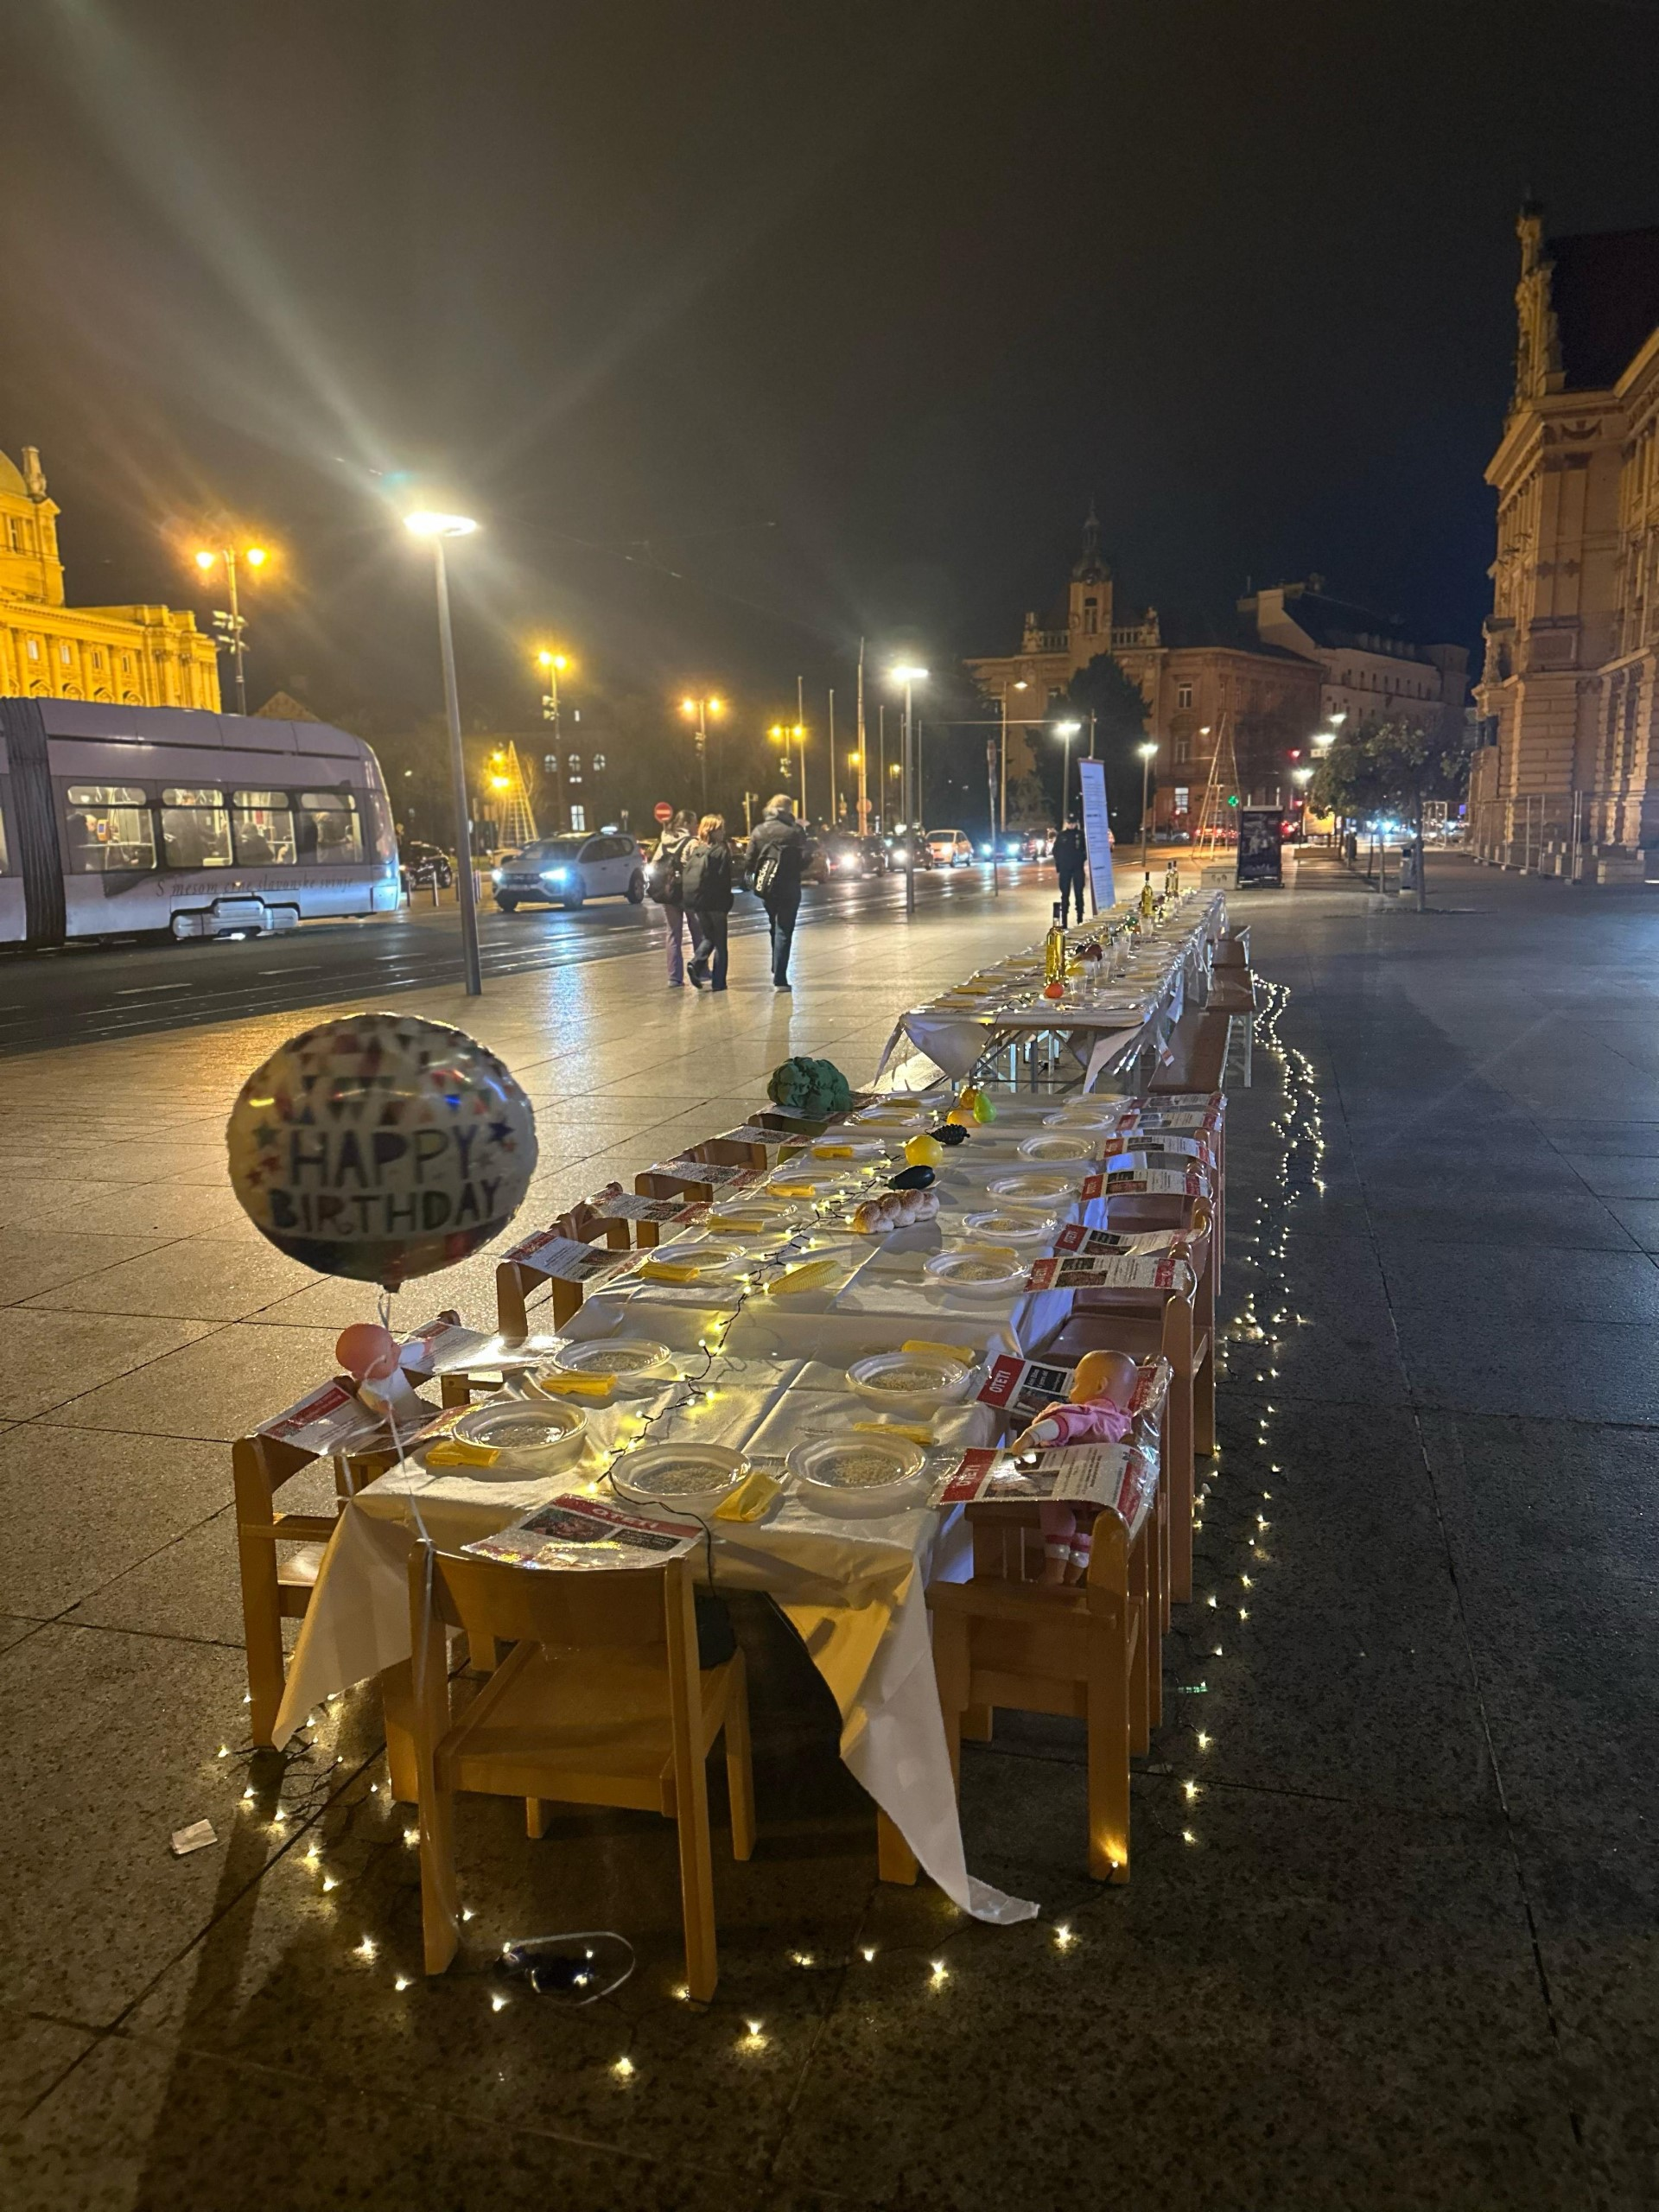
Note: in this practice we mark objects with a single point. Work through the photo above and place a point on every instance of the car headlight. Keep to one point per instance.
(554, 874)
(901, 852)
(495, 875)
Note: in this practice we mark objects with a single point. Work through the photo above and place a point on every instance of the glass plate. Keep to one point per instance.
(860, 1477)
(619, 1356)
(694, 1477)
(910, 1380)
(543, 1435)
(975, 1274)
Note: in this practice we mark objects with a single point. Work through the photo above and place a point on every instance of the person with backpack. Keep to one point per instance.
(705, 872)
(666, 885)
(779, 852)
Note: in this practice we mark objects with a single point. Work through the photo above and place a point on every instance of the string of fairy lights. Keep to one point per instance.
(1227, 1590)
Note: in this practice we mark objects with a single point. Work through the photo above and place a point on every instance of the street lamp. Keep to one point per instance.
(230, 625)
(553, 666)
(1066, 731)
(909, 675)
(437, 528)
(699, 710)
(1148, 752)
(1000, 828)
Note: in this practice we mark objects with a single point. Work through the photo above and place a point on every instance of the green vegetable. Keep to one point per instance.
(814, 1088)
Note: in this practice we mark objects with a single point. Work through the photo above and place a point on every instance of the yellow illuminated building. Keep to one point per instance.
(131, 655)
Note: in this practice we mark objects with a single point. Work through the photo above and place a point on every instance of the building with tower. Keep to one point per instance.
(1208, 687)
(1567, 780)
(130, 656)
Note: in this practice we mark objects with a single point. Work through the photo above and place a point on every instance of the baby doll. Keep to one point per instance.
(1097, 1411)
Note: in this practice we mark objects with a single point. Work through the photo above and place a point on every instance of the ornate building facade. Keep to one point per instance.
(1568, 782)
(132, 656)
(1371, 669)
(1204, 686)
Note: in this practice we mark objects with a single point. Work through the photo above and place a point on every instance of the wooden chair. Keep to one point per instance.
(1197, 1047)
(1087, 1650)
(517, 1277)
(1180, 1325)
(601, 1702)
(279, 1552)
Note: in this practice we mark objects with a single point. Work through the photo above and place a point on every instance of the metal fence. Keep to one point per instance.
(1545, 833)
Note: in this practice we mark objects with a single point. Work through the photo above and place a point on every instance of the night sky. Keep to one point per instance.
(745, 328)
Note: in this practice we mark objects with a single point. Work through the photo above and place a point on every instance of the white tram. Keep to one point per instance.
(119, 819)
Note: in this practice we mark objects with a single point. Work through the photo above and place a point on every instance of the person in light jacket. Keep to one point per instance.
(665, 886)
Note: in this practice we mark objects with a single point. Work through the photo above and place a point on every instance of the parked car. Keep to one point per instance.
(565, 871)
(950, 847)
(425, 867)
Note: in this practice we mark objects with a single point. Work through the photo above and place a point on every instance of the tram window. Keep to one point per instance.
(335, 831)
(263, 823)
(110, 829)
(196, 829)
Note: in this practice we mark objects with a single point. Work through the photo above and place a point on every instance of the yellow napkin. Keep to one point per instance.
(831, 1152)
(455, 1452)
(794, 1190)
(813, 1274)
(912, 1429)
(965, 1353)
(750, 1499)
(665, 1271)
(590, 1385)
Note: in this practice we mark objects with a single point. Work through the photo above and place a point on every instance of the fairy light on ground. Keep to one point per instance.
(366, 1949)
(623, 2068)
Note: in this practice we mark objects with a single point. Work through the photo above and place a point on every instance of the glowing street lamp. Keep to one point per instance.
(230, 625)
(910, 676)
(699, 710)
(553, 666)
(437, 528)
(1066, 732)
(1148, 752)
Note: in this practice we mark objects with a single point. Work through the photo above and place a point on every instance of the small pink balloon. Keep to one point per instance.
(366, 1352)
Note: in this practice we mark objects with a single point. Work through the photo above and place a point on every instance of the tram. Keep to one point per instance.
(119, 820)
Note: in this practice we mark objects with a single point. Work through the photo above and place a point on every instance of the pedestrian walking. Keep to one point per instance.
(665, 884)
(706, 872)
(1070, 854)
(779, 852)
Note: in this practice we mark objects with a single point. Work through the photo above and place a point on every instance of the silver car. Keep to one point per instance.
(565, 871)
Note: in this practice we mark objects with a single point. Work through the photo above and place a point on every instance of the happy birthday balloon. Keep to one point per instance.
(381, 1147)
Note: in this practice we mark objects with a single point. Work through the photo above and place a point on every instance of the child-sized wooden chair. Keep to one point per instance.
(280, 1553)
(533, 1262)
(1088, 1649)
(602, 1701)
(1180, 1325)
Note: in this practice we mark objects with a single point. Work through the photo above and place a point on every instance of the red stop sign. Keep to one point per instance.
(663, 810)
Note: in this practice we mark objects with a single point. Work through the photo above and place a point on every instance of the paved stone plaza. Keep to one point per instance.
(1390, 1940)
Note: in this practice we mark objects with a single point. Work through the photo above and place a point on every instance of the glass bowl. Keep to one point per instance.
(910, 1382)
(859, 1477)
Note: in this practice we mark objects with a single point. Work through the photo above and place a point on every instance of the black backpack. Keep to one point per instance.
(665, 882)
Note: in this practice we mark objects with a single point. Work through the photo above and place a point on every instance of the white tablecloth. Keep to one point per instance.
(855, 1591)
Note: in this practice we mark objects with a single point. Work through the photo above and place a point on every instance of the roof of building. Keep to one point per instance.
(11, 478)
(1184, 629)
(1604, 287)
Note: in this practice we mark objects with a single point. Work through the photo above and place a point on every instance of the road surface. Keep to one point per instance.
(82, 993)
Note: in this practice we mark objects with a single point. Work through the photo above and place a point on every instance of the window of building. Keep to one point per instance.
(110, 829)
(1183, 748)
(195, 828)
(1183, 695)
(63, 655)
(1091, 616)
(262, 829)
(330, 825)
(33, 648)
(126, 664)
(599, 763)
(14, 536)
(578, 819)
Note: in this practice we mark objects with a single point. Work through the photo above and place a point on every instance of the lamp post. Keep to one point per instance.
(1001, 829)
(1148, 753)
(256, 556)
(437, 528)
(699, 710)
(909, 676)
(1066, 732)
(553, 666)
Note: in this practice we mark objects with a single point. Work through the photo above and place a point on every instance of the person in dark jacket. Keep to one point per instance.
(779, 852)
(1069, 856)
(666, 887)
(706, 872)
